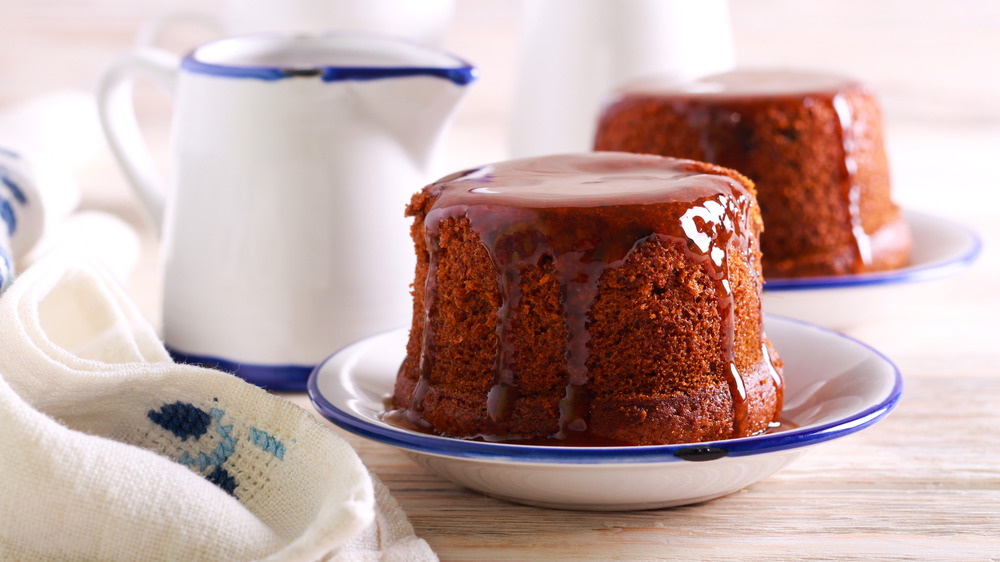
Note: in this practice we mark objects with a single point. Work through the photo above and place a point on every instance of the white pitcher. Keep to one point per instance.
(284, 236)
(574, 53)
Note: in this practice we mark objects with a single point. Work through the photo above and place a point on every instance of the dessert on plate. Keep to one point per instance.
(588, 299)
(811, 142)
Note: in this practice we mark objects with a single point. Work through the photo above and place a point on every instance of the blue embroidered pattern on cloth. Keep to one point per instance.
(8, 215)
(186, 420)
(6, 269)
(7, 212)
(267, 443)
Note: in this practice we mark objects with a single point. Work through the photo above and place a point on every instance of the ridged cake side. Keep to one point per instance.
(812, 144)
(666, 357)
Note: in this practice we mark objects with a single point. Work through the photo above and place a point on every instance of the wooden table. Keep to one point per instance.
(922, 484)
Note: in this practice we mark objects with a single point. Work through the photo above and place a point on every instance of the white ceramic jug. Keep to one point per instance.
(573, 53)
(284, 236)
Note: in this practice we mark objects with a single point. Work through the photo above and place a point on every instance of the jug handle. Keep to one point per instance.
(117, 116)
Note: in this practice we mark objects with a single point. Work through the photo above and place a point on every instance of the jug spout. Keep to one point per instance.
(415, 111)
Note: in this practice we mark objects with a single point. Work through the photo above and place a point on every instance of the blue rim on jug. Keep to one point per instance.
(331, 57)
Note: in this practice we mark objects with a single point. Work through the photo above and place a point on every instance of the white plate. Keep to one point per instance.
(834, 386)
(940, 248)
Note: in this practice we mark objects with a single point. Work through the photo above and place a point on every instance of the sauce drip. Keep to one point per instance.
(585, 214)
(851, 189)
(754, 91)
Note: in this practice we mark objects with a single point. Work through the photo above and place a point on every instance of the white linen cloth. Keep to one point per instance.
(111, 451)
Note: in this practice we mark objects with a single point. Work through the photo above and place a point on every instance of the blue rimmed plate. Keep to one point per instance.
(834, 386)
(940, 248)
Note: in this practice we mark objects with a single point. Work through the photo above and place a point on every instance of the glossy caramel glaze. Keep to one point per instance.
(566, 221)
(812, 143)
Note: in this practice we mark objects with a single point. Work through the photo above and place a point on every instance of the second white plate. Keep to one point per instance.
(940, 248)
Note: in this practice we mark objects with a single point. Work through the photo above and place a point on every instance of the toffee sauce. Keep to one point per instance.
(759, 89)
(585, 213)
(404, 420)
